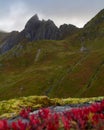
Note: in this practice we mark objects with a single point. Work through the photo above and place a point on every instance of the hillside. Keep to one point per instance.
(56, 68)
(92, 30)
(95, 27)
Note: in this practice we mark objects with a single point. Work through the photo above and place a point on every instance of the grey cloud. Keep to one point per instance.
(15, 13)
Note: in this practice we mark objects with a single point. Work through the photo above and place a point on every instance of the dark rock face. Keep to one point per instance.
(9, 42)
(31, 27)
(36, 29)
(2, 36)
(67, 30)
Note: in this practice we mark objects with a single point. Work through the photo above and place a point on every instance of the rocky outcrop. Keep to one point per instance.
(9, 42)
(67, 30)
(37, 30)
(3, 35)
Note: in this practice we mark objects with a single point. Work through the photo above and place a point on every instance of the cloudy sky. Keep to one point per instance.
(15, 13)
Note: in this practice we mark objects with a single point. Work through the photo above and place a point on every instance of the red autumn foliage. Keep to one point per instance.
(83, 118)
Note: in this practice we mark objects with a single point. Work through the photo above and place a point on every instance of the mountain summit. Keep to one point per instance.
(37, 30)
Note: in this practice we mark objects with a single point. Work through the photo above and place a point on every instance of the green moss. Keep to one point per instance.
(12, 107)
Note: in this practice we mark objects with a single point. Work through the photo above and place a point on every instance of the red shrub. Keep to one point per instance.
(84, 118)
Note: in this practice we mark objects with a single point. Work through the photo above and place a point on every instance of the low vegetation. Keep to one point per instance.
(84, 118)
(12, 107)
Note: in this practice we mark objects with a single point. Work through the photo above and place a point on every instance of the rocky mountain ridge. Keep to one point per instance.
(36, 29)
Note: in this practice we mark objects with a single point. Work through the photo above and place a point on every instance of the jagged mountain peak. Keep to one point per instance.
(36, 29)
(32, 21)
(34, 18)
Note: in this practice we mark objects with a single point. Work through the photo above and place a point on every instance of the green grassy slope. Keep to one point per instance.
(53, 68)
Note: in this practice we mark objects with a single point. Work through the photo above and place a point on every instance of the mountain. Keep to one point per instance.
(57, 68)
(36, 29)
